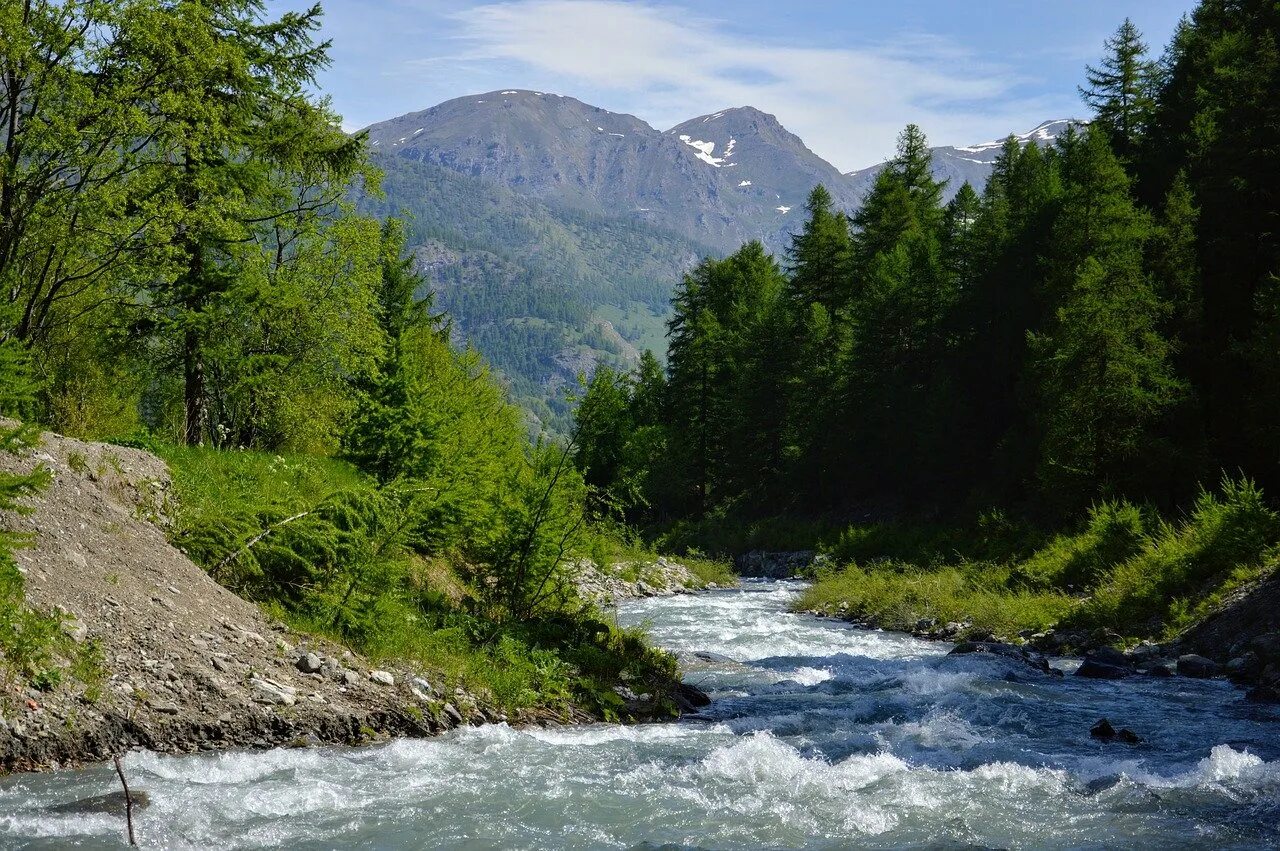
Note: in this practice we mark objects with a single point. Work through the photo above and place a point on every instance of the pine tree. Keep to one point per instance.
(818, 256)
(250, 148)
(1121, 90)
(1102, 366)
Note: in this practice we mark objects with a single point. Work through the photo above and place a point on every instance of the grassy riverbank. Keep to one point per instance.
(1125, 570)
(329, 564)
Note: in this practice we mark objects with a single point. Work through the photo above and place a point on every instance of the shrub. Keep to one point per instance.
(1226, 539)
(897, 596)
(1116, 531)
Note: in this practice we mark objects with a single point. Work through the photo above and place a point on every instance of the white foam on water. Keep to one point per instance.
(807, 676)
(820, 736)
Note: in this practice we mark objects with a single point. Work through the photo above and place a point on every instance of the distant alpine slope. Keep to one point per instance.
(553, 231)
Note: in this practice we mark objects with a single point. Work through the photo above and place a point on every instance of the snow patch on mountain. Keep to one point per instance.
(705, 150)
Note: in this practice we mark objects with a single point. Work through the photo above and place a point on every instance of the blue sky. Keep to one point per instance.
(844, 76)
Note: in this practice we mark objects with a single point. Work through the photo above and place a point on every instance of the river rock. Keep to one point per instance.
(452, 713)
(1244, 668)
(112, 803)
(1198, 667)
(384, 678)
(1267, 647)
(1107, 733)
(309, 663)
(690, 698)
(1109, 656)
(1104, 663)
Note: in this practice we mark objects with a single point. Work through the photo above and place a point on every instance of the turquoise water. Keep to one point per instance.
(820, 736)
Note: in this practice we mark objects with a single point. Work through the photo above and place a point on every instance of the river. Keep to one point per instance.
(820, 736)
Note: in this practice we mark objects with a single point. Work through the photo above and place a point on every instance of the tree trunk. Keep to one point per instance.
(194, 390)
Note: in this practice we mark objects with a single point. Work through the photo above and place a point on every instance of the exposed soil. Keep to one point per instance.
(189, 665)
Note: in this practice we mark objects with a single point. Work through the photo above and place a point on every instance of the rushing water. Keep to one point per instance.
(820, 736)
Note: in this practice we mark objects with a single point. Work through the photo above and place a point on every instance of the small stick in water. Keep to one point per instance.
(128, 801)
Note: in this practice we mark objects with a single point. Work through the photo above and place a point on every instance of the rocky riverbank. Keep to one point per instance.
(625, 580)
(184, 664)
(1250, 661)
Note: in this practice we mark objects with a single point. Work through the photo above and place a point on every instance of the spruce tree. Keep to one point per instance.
(818, 256)
(1121, 90)
(249, 146)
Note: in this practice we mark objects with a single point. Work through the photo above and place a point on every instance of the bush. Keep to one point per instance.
(1227, 538)
(1116, 532)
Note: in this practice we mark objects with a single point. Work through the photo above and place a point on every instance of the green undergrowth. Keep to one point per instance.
(608, 543)
(894, 595)
(1125, 569)
(710, 571)
(331, 552)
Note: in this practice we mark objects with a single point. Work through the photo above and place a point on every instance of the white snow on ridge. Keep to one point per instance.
(419, 130)
(704, 149)
(712, 117)
(783, 210)
(511, 93)
(745, 183)
(1043, 133)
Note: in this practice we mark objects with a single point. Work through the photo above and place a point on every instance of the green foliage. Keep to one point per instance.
(898, 596)
(1125, 570)
(1152, 593)
(1122, 90)
(1116, 531)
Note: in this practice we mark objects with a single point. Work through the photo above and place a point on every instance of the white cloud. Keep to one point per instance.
(666, 64)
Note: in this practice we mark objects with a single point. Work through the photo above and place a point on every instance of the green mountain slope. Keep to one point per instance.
(545, 291)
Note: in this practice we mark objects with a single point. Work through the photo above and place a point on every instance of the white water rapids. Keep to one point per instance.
(820, 736)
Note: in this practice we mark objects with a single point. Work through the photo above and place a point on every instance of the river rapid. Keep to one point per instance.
(820, 735)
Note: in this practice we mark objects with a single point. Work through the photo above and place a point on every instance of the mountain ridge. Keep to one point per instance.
(554, 231)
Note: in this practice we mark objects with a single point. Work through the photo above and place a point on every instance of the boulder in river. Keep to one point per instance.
(998, 648)
(112, 803)
(1107, 733)
(1104, 663)
(1244, 668)
(690, 698)
(1198, 667)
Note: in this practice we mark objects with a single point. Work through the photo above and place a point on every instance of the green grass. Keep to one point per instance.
(1228, 539)
(411, 606)
(710, 571)
(1124, 570)
(895, 596)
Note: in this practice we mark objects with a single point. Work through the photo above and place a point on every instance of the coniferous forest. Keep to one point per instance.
(1098, 328)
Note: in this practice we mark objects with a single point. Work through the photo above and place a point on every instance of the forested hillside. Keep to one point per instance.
(544, 290)
(1098, 327)
(183, 269)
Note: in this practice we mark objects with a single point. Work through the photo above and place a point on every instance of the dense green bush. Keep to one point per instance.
(1227, 537)
(1116, 531)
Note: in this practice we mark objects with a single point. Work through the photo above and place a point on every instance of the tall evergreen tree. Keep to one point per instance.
(1121, 90)
(249, 148)
(818, 256)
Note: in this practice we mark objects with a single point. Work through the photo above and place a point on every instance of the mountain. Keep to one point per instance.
(769, 169)
(718, 179)
(554, 231)
(971, 164)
